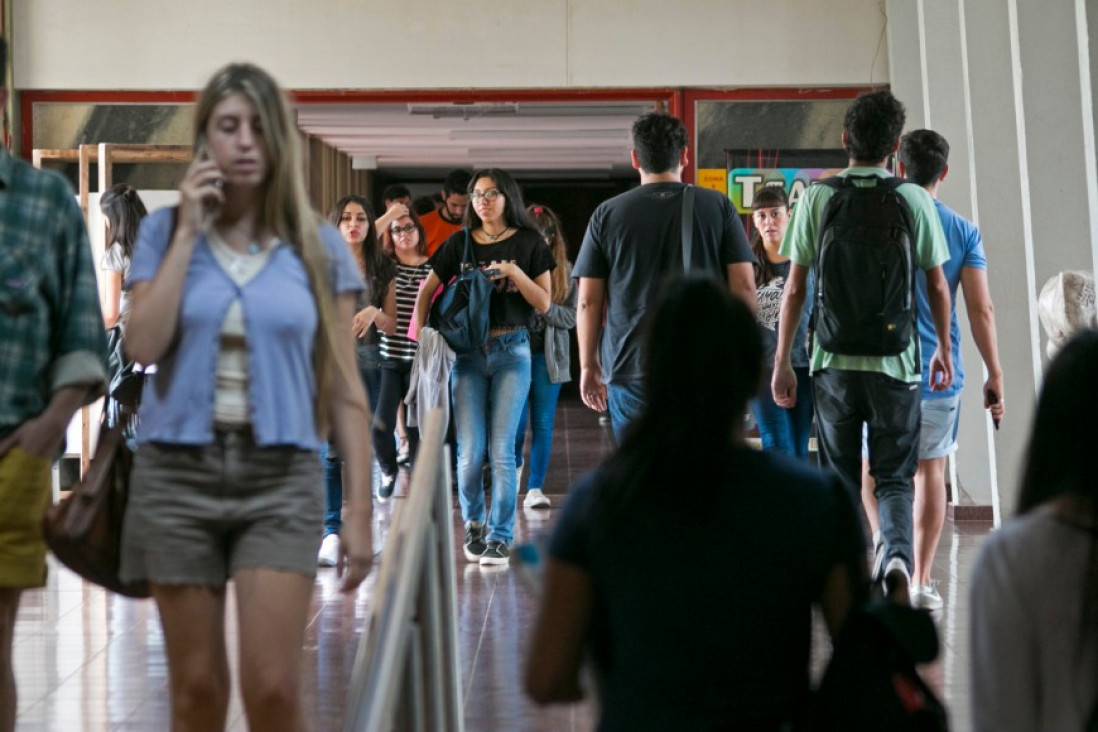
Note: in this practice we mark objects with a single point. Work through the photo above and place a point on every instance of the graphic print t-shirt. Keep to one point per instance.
(769, 298)
(508, 308)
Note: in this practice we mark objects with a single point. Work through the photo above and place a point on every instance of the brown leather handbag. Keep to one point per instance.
(84, 530)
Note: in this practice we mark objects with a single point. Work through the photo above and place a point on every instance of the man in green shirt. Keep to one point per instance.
(881, 392)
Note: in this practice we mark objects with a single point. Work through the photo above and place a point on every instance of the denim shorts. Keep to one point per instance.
(198, 514)
(24, 496)
(938, 430)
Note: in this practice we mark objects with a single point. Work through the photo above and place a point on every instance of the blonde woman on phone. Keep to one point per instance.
(244, 300)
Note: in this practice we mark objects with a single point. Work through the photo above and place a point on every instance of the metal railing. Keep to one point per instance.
(407, 674)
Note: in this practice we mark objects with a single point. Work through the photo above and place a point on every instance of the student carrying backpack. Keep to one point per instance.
(865, 268)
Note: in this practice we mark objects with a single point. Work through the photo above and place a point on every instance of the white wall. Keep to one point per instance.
(359, 44)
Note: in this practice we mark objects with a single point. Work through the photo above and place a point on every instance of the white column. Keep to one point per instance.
(905, 62)
(1002, 204)
(949, 113)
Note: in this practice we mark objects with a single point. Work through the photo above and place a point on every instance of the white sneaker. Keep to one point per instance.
(926, 596)
(897, 582)
(328, 556)
(536, 499)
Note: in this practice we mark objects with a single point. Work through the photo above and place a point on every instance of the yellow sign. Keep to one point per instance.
(715, 178)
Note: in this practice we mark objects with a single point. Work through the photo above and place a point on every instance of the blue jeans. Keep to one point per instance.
(489, 389)
(333, 464)
(786, 430)
(625, 402)
(541, 405)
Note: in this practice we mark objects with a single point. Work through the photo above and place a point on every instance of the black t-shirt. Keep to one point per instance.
(508, 308)
(722, 641)
(633, 241)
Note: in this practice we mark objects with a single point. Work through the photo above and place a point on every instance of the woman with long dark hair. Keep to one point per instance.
(243, 298)
(489, 385)
(550, 359)
(406, 242)
(784, 430)
(123, 210)
(687, 564)
(1034, 631)
(354, 219)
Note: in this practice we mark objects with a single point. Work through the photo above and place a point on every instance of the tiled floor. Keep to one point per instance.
(89, 661)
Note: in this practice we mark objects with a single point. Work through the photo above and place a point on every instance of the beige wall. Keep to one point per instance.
(326, 44)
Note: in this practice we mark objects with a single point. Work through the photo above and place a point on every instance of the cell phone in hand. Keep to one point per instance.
(491, 273)
(992, 399)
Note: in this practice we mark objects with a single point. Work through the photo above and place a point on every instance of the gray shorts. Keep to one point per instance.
(198, 514)
(938, 429)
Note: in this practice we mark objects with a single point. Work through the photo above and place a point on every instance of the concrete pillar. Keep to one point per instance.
(1002, 208)
(948, 112)
(905, 62)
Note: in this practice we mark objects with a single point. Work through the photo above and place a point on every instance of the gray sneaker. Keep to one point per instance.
(496, 554)
(475, 545)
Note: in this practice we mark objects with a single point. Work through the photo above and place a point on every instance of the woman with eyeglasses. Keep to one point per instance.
(354, 219)
(406, 242)
(550, 350)
(489, 385)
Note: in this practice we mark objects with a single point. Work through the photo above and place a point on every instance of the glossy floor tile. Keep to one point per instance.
(87, 661)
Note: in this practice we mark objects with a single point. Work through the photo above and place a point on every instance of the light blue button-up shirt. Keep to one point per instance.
(280, 317)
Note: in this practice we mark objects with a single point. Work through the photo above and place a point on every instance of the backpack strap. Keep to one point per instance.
(687, 226)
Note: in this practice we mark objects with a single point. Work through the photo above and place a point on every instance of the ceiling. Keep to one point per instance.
(577, 139)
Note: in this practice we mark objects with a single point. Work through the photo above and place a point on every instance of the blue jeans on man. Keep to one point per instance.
(624, 402)
(489, 388)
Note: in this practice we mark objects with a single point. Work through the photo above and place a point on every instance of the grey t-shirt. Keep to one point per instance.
(633, 242)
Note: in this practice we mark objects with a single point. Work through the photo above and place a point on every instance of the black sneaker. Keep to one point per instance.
(474, 540)
(385, 487)
(496, 553)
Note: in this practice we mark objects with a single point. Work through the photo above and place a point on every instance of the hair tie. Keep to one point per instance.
(538, 210)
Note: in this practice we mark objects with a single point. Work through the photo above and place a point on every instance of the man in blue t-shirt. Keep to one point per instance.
(923, 159)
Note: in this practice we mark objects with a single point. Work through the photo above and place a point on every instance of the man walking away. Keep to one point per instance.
(924, 160)
(865, 356)
(633, 242)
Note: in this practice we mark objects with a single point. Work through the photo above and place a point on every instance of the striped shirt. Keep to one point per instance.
(399, 347)
(51, 327)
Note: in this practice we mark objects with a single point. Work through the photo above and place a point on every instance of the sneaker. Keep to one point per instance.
(474, 540)
(497, 553)
(878, 557)
(536, 499)
(385, 487)
(926, 596)
(897, 581)
(403, 456)
(328, 556)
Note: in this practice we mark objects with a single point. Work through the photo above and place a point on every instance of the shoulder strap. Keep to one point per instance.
(687, 226)
(467, 257)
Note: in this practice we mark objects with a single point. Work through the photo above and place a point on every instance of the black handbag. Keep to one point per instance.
(460, 314)
(84, 530)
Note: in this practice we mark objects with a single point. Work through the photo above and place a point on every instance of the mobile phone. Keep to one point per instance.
(491, 272)
(992, 398)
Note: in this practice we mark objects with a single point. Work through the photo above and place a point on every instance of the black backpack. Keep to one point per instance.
(871, 684)
(865, 268)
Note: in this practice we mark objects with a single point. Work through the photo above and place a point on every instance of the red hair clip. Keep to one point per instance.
(538, 210)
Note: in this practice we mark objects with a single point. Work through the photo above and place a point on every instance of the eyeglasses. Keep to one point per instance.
(489, 195)
(406, 230)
